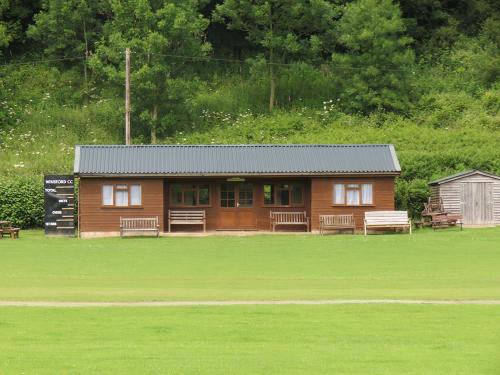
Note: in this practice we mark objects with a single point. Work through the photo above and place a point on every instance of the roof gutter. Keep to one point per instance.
(296, 174)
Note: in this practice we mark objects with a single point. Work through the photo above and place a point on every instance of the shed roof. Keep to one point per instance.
(218, 160)
(462, 175)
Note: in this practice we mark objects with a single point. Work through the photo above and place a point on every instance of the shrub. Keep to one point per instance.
(411, 195)
(21, 201)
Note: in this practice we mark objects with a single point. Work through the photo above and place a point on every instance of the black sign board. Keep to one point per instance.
(59, 205)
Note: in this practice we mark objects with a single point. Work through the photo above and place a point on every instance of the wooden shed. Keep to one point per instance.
(473, 194)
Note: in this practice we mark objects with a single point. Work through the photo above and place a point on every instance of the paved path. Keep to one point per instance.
(246, 303)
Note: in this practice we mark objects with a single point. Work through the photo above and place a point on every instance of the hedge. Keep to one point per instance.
(21, 201)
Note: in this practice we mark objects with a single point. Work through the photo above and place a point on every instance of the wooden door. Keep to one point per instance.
(237, 206)
(477, 203)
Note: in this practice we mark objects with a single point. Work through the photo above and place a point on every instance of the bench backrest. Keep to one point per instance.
(5, 225)
(440, 218)
(186, 215)
(337, 219)
(433, 205)
(386, 217)
(288, 217)
(139, 222)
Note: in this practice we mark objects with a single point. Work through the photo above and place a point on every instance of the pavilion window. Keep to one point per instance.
(339, 194)
(121, 195)
(189, 195)
(245, 195)
(284, 194)
(135, 195)
(227, 196)
(353, 194)
(107, 195)
(297, 194)
(367, 193)
(204, 195)
(268, 194)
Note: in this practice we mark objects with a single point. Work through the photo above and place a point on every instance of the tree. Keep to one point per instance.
(15, 16)
(158, 33)
(5, 37)
(69, 28)
(285, 29)
(377, 61)
(423, 18)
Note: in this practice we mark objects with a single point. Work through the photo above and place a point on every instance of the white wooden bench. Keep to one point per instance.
(187, 218)
(387, 219)
(288, 218)
(138, 225)
(334, 222)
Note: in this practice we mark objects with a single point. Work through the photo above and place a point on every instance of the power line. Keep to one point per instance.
(204, 58)
(197, 58)
(193, 58)
(43, 61)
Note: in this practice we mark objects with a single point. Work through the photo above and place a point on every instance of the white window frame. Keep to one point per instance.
(348, 187)
(111, 198)
(131, 196)
(114, 189)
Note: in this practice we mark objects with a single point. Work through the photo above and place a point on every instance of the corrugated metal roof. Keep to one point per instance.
(205, 160)
(461, 175)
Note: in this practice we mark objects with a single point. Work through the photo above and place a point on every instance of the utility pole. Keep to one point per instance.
(85, 62)
(127, 96)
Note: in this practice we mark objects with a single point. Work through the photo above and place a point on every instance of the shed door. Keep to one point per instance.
(477, 203)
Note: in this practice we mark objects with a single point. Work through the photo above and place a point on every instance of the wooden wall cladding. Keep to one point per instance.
(318, 194)
(322, 198)
(96, 218)
(255, 218)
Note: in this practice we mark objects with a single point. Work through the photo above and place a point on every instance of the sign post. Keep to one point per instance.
(59, 205)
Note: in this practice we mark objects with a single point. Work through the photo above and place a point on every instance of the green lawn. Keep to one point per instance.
(327, 339)
(447, 264)
(361, 339)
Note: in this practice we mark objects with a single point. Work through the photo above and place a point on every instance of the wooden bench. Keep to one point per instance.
(187, 218)
(387, 219)
(445, 221)
(288, 218)
(333, 222)
(139, 225)
(7, 230)
(14, 232)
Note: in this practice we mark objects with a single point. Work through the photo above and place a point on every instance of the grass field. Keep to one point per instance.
(361, 339)
(448, 264)
(322, 339)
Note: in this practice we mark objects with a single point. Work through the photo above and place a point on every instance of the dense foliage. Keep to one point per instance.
(21, 201)
(285, 29)
(423, 75)
(379, 61)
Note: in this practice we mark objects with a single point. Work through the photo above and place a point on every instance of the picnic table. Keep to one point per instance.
(6, 228)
